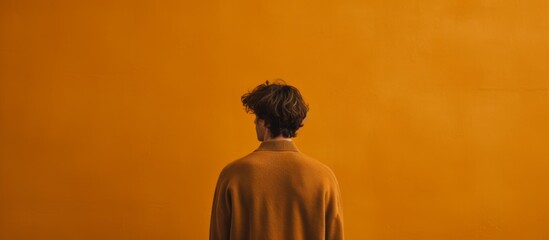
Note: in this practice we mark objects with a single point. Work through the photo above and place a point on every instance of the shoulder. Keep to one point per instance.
(322, 171)
(328, 178)
(236, 165)
(321, 166)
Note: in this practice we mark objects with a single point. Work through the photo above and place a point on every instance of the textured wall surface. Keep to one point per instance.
(117, 116)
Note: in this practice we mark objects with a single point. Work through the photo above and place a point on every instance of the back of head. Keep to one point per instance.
(280, 105)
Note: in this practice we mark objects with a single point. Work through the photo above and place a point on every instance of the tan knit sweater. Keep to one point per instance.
(276, 192)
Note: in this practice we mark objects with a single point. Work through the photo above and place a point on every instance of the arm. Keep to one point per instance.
(220, 222)
(334, 213)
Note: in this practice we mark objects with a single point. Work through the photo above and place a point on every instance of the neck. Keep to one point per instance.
(279, 138)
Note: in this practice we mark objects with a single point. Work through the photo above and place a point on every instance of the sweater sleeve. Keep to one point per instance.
(334, 213)
(220, 221)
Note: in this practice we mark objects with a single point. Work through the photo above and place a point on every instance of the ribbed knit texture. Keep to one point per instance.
(276, 192)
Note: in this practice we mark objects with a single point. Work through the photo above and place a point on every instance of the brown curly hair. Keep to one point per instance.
(280, 105)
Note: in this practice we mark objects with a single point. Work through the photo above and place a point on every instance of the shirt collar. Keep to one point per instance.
(277, 145)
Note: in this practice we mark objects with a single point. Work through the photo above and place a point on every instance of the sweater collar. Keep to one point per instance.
(277, 145)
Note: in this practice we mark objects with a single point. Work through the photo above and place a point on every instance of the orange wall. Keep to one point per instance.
(117, 116)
